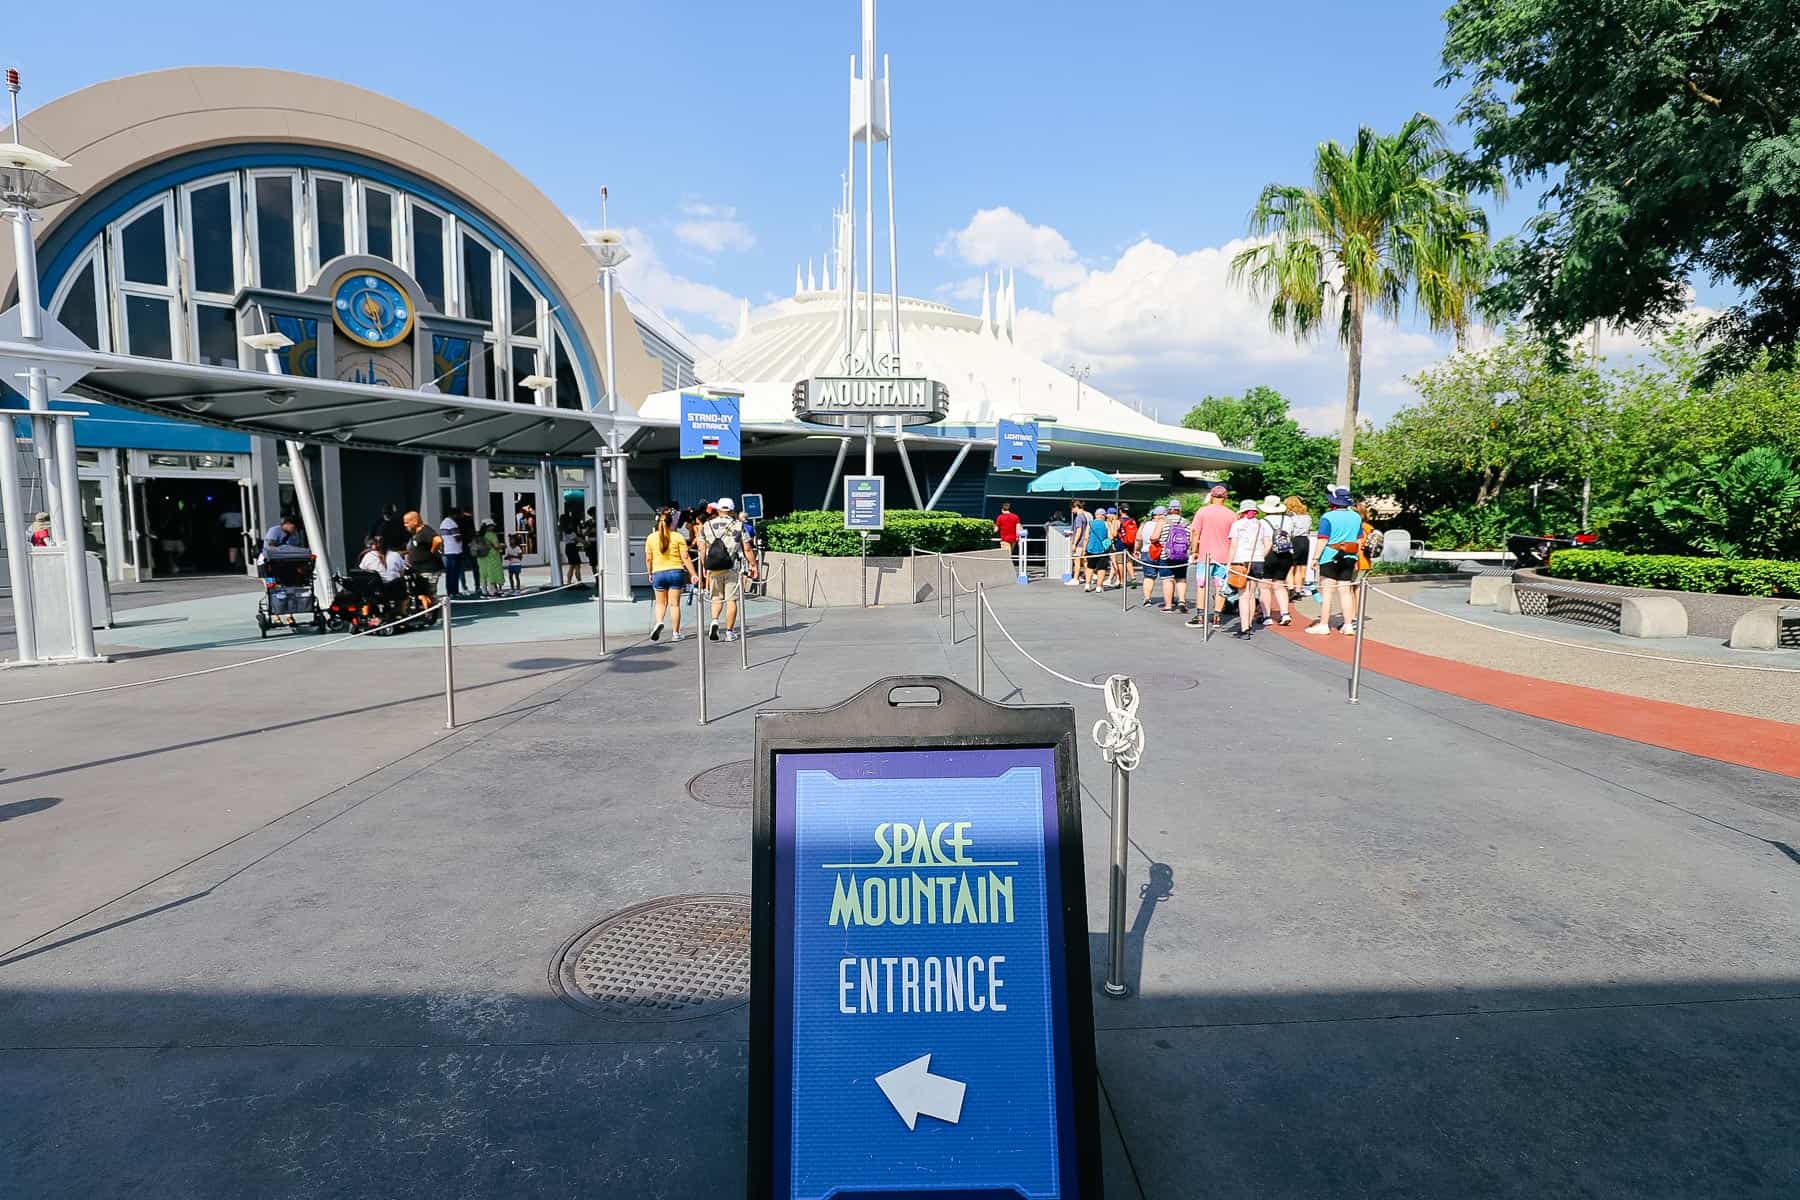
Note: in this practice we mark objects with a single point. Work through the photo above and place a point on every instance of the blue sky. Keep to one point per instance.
(1109, 154)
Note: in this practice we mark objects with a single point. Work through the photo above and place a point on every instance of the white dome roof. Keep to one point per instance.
(988, 376)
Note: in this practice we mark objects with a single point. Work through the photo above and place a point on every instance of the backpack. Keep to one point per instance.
(1372, 543)
(1128, 531)
(1284, 541)
(1175, 543)
(721, 552)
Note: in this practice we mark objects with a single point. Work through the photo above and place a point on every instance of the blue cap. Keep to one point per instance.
(1340, 496)
(1159, 511)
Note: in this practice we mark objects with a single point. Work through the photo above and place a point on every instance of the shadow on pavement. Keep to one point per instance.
(1655, 1090)
(15, 809)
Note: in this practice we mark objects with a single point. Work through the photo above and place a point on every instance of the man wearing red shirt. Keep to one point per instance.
(1210, 536)
(1007, 523)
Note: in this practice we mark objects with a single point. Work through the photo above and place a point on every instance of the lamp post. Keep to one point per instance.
(25, 188)
(609, 247)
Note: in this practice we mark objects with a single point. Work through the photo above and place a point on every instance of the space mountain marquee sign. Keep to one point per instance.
(845, 401)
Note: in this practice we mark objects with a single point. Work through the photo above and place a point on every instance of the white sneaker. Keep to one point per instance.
(1350, 628)
(1318, 629)
(731, 635)
(656, 631)
(1068, 583)
(677, 636)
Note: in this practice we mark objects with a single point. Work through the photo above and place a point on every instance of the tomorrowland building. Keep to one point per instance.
(444, 339)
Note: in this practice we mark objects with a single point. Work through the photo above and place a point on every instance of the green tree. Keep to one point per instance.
(1495, 430)
(1669, 133)
(1295, 463)
(1386, 218)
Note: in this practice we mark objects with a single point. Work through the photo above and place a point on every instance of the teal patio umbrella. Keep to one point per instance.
(1073, 479)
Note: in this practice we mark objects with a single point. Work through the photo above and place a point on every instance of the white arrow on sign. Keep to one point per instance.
(912, 1089)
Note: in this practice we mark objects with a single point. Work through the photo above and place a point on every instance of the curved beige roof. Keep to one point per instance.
(114, 129)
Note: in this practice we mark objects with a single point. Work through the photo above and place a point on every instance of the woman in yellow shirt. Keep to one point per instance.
(671, 567)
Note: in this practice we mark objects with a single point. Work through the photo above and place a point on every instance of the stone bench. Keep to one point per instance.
(1771, 628)
(1618, 610)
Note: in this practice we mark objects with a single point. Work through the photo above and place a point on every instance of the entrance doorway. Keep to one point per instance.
(512, 507)
(193, 526)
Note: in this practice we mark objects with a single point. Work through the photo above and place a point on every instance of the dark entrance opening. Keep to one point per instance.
(194, 526)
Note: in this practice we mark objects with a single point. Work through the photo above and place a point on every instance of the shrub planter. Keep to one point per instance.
(1709, 615)
(816, 581)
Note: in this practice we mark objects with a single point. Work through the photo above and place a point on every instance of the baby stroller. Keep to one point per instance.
(287, 599)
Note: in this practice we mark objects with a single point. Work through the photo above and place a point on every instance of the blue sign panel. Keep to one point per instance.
(710, 427)
(920, 1039)
(751, 506)
(1017, 447)
(865, 503)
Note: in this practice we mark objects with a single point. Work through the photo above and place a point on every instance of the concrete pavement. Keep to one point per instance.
(1416, 947)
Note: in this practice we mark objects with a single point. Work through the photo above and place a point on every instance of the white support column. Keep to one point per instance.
(331, 484)
(906, 465)
(309, 520)
(837, 469)
(74, 540)
(18, 546)
(550, 520)
(949, 475)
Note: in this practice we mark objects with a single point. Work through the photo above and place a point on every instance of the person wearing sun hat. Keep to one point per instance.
(1339, 543)
(1277, 562)
(1251, 537)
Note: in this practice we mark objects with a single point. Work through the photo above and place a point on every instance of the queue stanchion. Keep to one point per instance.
(1120, 736)
(600, 599)
(743, 623)
(449, 667)
(700, 632)
(1024, 555)
(1124, 584)
(940, 585)
(1206, 586)
(784, 593)
(980, 640)
(1362, 589)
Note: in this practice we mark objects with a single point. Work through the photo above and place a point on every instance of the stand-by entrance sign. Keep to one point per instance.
(921, 1019)
(865, 503)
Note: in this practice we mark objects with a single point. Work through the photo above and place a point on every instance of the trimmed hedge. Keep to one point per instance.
(823, 535)
(1424, 566)
(1677, 573)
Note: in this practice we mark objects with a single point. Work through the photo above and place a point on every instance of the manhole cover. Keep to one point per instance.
(671, 959)
(1158, 681)
(725, 786)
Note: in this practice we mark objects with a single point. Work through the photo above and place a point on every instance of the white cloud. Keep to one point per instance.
(712, 228)
(1166, 327)
(1000, 237)
(690, 313)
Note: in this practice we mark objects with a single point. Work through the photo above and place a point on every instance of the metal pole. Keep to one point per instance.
(700, 643)
(18, 546)
(1115, 907)
(784, 593)
(1206, 614)
(940, 585)
(1356, 656)
(948, 476)
(600, 592)
(81, 612)
(612, 392)
(1124, 584)
(449, 667)
(31, 329)
(837, 469)
(743, 622)
(865, 569)
(980, 640)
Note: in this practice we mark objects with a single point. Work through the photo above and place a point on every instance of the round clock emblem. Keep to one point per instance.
(372, 309)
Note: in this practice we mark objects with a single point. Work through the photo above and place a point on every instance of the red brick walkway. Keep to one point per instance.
(1726, 737)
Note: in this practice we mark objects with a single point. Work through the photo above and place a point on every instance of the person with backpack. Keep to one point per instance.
(1209, 535)
(1149, 550)
(724, 554)
(1175, 550)
(1340, 544)
(1277, 562)
(1128, 547)
(1251, 538)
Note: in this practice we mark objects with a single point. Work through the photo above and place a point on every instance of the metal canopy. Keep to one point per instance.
(325, 411)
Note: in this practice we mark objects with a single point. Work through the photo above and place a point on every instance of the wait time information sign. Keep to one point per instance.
(922, 1018)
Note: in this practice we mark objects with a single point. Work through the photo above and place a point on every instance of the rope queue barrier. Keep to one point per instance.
(1120, 737)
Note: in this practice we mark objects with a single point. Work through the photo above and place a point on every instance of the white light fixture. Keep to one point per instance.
(267, 341)
(197, 406)
(342, 435)
(452, 416)
(609, 247)
(279, 399)
(537, 383)
(25, 177)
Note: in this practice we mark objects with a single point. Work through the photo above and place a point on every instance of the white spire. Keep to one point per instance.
(796, 279)
(1000, 309)
(1012, 306)
(811, 286)
(743, 329)
(986, 328)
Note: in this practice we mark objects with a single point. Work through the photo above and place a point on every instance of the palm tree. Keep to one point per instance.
(1382, 219)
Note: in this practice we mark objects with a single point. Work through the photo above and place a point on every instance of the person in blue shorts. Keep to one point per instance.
(1099, 547)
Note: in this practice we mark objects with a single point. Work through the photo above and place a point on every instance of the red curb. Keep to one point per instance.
(1727, 737)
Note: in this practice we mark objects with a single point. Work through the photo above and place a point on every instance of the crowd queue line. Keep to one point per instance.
(1262, 554)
